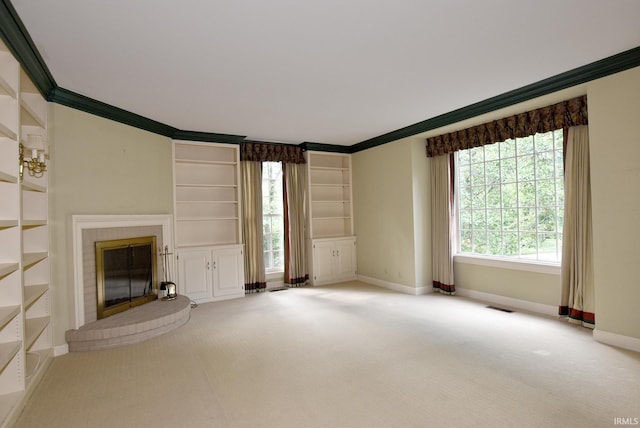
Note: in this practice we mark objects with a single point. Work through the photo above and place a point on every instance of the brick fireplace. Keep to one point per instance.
(89, 229)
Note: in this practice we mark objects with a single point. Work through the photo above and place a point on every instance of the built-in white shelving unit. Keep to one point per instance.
(331, 243)
(208, 230)
(25, 315)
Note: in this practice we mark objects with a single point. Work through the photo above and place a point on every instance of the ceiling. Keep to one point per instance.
(324, 71)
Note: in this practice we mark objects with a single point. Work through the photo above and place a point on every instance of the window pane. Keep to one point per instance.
(524, 145)
(480, 242)
(494, 197)
(508, 170)
(494, 243)
(464, 174)
(511, 198)
(507, 149)
(479, 219)
(478, 197)
(463, 157)
(477, 154)
(493, 172)
(272, 219)
(491, 152)
(494, 219)
(545, 165)
(477, 174)
(465, 219)
(525, 168)
(527, 217)
(527, 194)
(544, 142)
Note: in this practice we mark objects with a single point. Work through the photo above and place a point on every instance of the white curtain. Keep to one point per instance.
(251, 190)
(295, 192)
(441, 225)
(577, 299)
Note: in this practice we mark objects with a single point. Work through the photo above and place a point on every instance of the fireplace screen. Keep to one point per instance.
(126, 274)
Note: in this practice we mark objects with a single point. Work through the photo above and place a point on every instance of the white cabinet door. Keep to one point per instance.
(323, 260)
(333, 260)
(344, 267)
(228, 272)
(194, 273)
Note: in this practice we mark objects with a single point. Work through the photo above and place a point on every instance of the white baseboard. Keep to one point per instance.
(396, 287)
(509, 301)
(60, 350)
(626, 342)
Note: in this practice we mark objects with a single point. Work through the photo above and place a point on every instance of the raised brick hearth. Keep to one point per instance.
(132, 326)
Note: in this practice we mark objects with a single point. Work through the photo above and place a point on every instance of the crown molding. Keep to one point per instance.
(207, 137)
(80, 102)
(319, 147)
(17, 39)
(595, 70)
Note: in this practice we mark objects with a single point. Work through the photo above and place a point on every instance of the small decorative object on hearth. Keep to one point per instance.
(167, 287)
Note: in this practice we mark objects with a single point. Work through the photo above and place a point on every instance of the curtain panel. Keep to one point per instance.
(565, 114)
(262, 152)
(251, 186)
(577, 300)
(296, 273)
(441, 225)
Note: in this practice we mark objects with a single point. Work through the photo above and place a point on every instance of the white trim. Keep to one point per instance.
(414, 291)
(519, 264)
(60, 350)
(81, 222)
(618, 340)
(509, 301)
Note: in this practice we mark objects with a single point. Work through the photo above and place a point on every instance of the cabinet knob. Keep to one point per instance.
(208, 265)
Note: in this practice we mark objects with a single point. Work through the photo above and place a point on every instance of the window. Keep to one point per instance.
(510, 198)
(272, 216)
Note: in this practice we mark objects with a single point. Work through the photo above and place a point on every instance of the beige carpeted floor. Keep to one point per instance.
(349, 355)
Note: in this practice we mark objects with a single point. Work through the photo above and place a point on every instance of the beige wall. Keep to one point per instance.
(98, 166)
(614, 115)
(535, 287)
(384, 198)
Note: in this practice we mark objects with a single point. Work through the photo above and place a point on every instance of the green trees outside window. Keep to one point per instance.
(510, 198)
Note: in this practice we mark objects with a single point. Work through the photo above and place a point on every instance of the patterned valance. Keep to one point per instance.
(262, 152)
(565, 114)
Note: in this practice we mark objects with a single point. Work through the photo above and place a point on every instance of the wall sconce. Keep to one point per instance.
(36, 165)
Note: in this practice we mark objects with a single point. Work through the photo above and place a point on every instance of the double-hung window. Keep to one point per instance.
(272, 217)
(510, 198)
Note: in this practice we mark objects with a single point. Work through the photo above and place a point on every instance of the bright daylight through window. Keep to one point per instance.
(272, 218)
(510, 198)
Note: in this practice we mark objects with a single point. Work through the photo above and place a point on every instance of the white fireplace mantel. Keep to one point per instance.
(82, 222)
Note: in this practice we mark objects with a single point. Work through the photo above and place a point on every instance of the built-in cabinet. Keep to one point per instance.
(25, 308)
(333, 260)
(331, 243)
(211, 273)
(207, 211)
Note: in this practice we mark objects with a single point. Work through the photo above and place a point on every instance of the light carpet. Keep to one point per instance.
(347, 355)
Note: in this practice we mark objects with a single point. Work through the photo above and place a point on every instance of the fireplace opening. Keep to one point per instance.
(125, 274)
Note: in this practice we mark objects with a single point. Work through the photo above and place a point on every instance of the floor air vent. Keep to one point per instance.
(277, 289)
(499, 309)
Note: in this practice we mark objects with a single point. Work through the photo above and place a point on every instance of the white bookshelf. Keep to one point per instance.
(330, 195)
(25, 314)
(331, 242)
(208, 227)
(207, 208)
